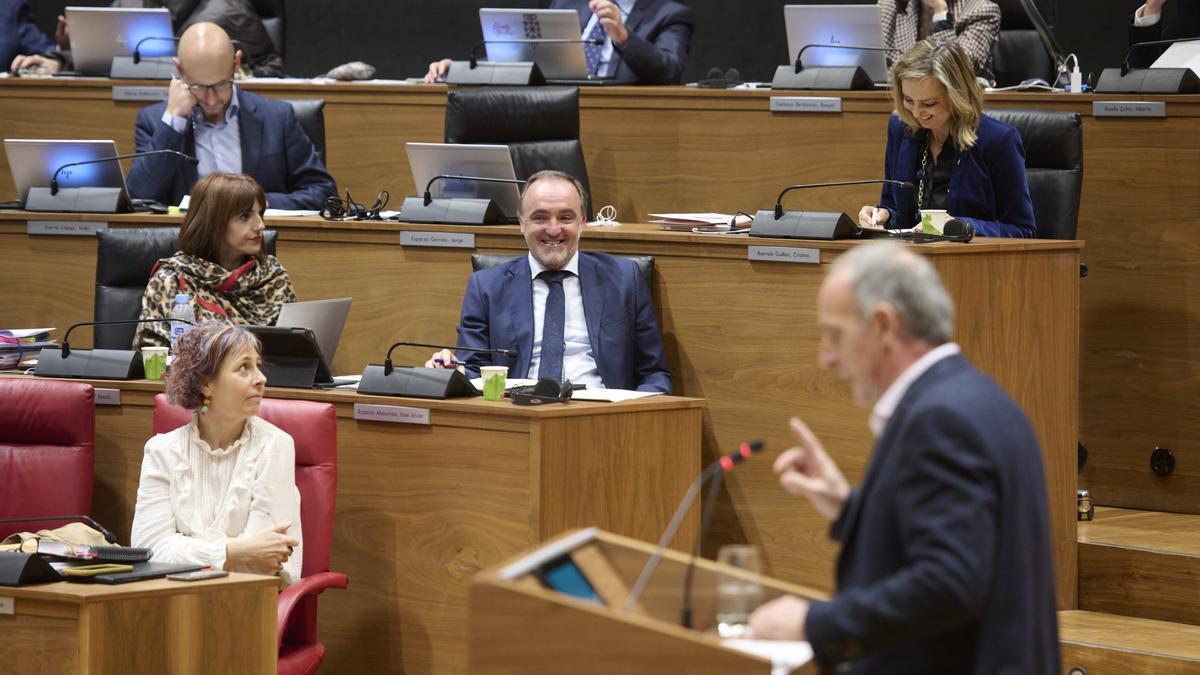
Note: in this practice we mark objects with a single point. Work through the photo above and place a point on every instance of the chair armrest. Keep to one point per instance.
(312, 584)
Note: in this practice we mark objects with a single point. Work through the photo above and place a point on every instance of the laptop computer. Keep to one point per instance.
(556, 61)
(298, 350)
(452, 159)
(34, 161)
(100, 33)
(325, 318)
(837, 24)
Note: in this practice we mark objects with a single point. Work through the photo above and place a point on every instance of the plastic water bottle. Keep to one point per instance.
(182, 311)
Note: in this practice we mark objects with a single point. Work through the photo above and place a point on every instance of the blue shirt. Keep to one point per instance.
(606, 52)
(218, 145)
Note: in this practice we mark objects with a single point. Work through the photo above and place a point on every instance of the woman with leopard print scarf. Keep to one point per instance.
(221, 264)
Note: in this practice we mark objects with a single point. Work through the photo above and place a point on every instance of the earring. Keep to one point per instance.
(204, 405)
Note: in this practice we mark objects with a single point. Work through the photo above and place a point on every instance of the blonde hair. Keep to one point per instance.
(948, 64)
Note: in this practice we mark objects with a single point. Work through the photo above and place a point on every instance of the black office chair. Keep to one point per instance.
(1053, 143)
(124, 261)
(311, 115)
(483, 261)
(540, 126)
(272, 14)
(1019, 53)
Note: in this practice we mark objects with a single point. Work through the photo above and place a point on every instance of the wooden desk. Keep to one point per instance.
(421, 508)
(216, 626)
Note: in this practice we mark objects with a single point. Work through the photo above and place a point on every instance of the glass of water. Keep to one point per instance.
(737, 597)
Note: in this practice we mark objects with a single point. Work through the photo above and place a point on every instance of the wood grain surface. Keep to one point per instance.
(1121, 645)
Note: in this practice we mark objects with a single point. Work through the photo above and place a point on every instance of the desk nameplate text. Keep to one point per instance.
(1129, 109)
(439, 239)
(369, 412)
(151, 94)
(791, 254)
(74, 228)
(806, 104)
(105, 396)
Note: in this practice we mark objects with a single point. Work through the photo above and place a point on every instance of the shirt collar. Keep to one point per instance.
(572, 266)
(230, 112)
(886, 405)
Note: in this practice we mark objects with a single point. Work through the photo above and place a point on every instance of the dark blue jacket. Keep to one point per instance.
(497, 313)
(18, 34)
(987, 185)
(660, 33)
(275, 151)
(945, 564)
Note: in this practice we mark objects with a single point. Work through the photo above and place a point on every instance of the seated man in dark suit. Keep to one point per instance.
(945, 564)
(227, 129)
(1150, 23)
(645, 41)
(583, 317)
(22, 43)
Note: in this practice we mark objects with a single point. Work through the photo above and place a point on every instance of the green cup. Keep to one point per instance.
(154, 362)
(493, 382)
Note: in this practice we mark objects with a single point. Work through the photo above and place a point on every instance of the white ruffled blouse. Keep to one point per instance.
(192, 500)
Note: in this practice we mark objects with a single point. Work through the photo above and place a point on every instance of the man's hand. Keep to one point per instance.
(33, 62)
(443, 359)
(180, 100)
(610, 20)
(936, 6)
(436, 70)
(808, 470)
(780, 619)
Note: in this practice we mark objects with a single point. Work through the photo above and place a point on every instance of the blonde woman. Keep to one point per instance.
(958, 159)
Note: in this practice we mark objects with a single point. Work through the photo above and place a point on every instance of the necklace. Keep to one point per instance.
(924, 176)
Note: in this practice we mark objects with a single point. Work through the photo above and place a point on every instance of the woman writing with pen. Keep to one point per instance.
(221, 490)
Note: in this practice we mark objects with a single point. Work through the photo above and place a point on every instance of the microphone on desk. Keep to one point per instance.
(387, 361)
(1128, 80)
(137, 54)
(811, 224)
(713, 471)
(420, 382)
(114, 158)
(454, 210)
(796, 76)
(108, 535)
(473, 57)
(99, 364)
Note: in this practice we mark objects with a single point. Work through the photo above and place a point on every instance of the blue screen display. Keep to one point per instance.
(141, 28)
(104, 174)
(564, 576)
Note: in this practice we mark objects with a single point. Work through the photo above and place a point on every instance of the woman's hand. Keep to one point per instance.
(262, 553)
(873, 217)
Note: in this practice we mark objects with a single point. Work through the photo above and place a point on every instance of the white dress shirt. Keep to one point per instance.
(579, 363)
(192, 500)
(219, 145)
(606, 52)
(1140, 20)
(886, 405)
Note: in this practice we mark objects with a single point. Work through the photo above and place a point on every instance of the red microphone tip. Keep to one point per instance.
(727, 463)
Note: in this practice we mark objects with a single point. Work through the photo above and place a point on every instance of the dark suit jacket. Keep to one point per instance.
(497, 313)
(945, 564)
(18, 34)
(988, 185)
(1180, 19)
(660, 33)
(275, 151)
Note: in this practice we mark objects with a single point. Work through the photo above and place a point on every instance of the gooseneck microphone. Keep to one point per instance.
(476, 179)
(137, 54)
(387, 361)
(473, 57)
(132, 155)
(66, 346)
(719, 467)
(862, 48)
(779, 199)
(108, 535)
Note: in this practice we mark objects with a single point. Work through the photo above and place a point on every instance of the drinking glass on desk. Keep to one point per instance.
(737, 596)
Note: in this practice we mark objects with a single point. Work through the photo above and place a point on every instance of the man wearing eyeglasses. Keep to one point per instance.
(226, 129)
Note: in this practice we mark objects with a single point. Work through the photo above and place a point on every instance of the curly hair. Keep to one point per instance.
(198, 357)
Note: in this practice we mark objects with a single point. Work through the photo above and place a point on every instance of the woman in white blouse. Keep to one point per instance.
(220, 491)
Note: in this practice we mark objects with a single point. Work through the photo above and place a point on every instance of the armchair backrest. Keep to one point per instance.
(1053, 143)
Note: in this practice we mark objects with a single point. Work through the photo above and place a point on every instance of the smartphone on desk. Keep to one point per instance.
(198, 575)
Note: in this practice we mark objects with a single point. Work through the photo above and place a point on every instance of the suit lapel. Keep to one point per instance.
(592, 284)
(519, 310)
(251, 132)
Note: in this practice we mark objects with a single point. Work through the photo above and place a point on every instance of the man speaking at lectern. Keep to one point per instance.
(945, 564)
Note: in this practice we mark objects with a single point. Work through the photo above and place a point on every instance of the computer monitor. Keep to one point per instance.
(451, 159)
(325, 318)
(34, 161)
(837, 24)
(556, 61)
(100, 33)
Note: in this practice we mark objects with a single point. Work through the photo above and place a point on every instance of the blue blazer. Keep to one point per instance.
(19, 34)
(945, 564)
(660, 33)
(497, 313)
(987, 186)
(275, 151)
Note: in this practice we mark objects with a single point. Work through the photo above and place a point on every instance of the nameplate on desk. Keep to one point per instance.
(1129, 109)
(107, 396)
(73, 228)
(7, 604)
(398, 414)
(810, 104)
(151, 94)
(792, 254)
(439, 239)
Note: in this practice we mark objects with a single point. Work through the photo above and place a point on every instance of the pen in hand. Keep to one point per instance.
(453, 364)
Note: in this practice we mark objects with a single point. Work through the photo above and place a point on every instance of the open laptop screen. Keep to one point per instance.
(34, 161)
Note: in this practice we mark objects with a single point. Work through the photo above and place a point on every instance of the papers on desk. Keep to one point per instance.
(288, 213)
(785, 656)
(1180, 55)
(350, 383)
(509, 383)
(686, 221)
(19, 345)
(611, 395)
(322, 80)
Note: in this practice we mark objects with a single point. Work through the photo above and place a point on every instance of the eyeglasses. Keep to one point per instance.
(348, 209)
(200, 90)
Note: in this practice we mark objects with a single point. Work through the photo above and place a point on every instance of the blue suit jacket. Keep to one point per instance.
(497, 313)
(660, 33)
(945, 564)
(275, 151)
(988, 186)
(18, 34)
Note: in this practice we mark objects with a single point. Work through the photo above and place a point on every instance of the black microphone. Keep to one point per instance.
(473, 57)
(387, 361)
(98, 160)
(779, 200)
(137, 55)
(862, 48)
(108, 535)
(66, 346)
(1125, 67)
(479, 179)
(719, 467)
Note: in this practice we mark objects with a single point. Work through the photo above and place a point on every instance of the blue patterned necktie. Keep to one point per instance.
(592, 52)
(553, 326)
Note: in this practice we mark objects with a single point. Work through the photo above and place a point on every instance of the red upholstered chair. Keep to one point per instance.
(313, 426)
(47, 442)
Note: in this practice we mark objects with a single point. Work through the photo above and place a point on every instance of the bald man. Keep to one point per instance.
(207, 116)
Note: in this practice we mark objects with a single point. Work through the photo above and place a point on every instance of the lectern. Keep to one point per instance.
(520, 625)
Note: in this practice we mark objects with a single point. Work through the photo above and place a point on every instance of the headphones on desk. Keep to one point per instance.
(955, 230)
(547, 390)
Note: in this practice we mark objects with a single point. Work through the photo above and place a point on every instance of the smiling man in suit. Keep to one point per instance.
(227, 129)
(583, 317)
(945, 564)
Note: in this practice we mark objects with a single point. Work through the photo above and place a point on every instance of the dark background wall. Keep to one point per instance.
(400, 37)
